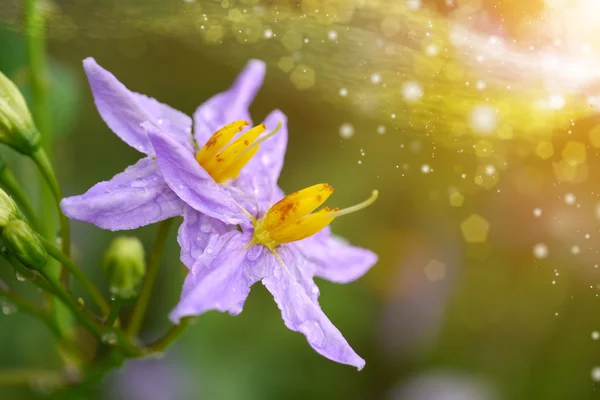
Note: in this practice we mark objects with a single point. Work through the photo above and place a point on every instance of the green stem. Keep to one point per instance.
(122, 342)
(41, 159)
(67, 300)
(31, 276)
(78, 274)
(35, 28)
(27, 307)
(164, 342)
(114, 312)
(29, 377)
(10, 184)
(143, 301)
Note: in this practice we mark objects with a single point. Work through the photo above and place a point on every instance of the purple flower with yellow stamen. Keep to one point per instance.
(285, 248)
(228, 170)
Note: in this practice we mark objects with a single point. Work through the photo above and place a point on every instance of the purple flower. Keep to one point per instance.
(285, 249)
(143, 194)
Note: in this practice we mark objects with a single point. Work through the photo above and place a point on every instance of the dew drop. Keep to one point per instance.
(595, 374)
(109, 338)
(314, 332)
(8, 308)
(20, 278)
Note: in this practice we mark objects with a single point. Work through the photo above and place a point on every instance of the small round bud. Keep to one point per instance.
(8, 209)
(17, 129)
(23, 243)
(124, 266)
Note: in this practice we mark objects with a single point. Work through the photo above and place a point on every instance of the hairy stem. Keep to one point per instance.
(139, 310)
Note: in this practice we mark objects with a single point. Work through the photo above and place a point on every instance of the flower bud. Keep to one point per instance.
(17, 129)
(23, 243)
(124, 266)
(8, 209)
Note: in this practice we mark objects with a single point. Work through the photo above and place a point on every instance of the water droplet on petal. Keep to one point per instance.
(314, 332)
(20, 278)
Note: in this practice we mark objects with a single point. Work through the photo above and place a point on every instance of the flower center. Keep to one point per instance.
(292, 218)
(224, 160)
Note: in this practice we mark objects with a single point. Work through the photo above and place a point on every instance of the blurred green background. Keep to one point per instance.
(439, 317)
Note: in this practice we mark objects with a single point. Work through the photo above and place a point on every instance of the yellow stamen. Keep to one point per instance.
(297, 205)
(224, 160)
(291, 220)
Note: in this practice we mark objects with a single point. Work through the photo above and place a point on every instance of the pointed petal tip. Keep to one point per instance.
(256, 66)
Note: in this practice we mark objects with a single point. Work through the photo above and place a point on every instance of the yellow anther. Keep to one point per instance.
(297, 205)
(219, 140)
(291, 220)
(224, 160)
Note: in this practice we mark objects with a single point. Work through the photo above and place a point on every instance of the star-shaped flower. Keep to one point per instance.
(227, 170)
(285, 248)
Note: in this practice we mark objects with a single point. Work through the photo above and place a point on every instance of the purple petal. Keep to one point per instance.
(191, 182)
(194, 234)
(303, 315)
(124, 111)
(231, 105)
(261, 174)
(336, 260)
(136, 197)
(219, 279)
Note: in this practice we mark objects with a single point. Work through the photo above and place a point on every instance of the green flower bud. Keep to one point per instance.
(8, 209)
(22, 242)
(124, 266)
(17, 129)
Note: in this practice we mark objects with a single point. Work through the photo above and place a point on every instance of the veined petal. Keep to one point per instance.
(230, 105)
(336, 260)
(124, 111)
(195, 232)
(136, 197)
(261, 174)
(301, 314)
(191, 182)
(219, 280)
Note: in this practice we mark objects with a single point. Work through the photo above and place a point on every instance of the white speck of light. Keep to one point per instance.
(425, 168)
(432, 50)
(483, 119)
(268, 33)
(343, 92)
(596, 374)
(412, 91)
(332, 35)
(595, 335)
(346, 130)
(570, 199)
(413, 4)
(556, 101)
(490, 170)
(381, 129)
(540, 251)
(376, 79)
(575, 250)
(537, 212)
(480, 85)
